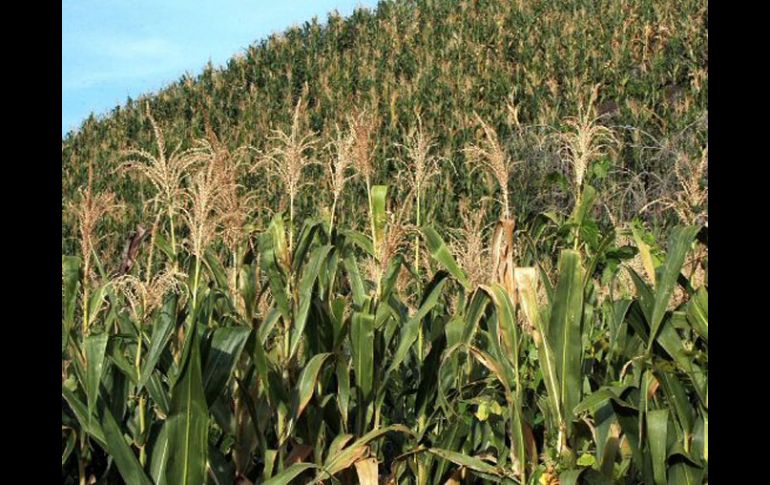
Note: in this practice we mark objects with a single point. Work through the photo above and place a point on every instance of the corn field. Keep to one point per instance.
(351, 297)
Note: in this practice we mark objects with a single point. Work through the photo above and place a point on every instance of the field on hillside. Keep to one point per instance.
(437, 243)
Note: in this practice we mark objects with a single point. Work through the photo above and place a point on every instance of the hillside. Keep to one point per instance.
(448, 60)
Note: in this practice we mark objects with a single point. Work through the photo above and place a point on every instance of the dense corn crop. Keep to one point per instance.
(409, 318)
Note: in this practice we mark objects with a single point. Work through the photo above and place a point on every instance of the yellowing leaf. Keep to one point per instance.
(496, 408)
(482, 412)
(586, 460)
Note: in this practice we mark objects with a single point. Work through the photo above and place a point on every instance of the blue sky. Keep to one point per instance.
(112, 49)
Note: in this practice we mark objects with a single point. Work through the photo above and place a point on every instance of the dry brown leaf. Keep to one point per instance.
(367, 471)
(298, 453)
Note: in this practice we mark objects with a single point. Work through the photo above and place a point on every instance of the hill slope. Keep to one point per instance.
(446, 60)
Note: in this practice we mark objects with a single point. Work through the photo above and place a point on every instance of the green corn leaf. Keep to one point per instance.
(441, 253)
(163, 327)
(392, 315)
(158, 393)
(164, 245)
(267, 325)
(475, 311)
(481, 468)
(628, 419)
(260, 362)
(251, 408)
(289, 474)
(617, 321)
(80, 410)
(672, 343)
(96, 302)
(95, 349)
(594, 401)
(226, 346)
(379, 214)
(496, 366)
(359, 239)
(608, 239)
(115, 355)
(450, 439)
(354, 277)
(70, 268)
(564, 330)
(304, 242)
(388, 280)
(275, 271)
(645, 296)
(337, 319)
(116, 388)
(248, 288)
(698, 313)
(587, 199)
(121, 453)
(68, 447)
(188, 419)
(426, 389)
(410, 329)
(668, 273)
(305, 387)
(682, 472)
(509, 359)
(570, 477)
(159, 456)
(362, 348)
(216, 269)
(343, 389)
(309, 276)
(649, 262)
(657, 429)
(586, 476)
(677, 398)
(276, 232)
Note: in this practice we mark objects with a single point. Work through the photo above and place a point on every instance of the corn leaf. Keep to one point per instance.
(564, 330)
(698, 313)
(306, 386)
(349, 455)
(95, 347)
(188, 420)
(441, 253)
(126, 461)
(226, 346)
(163, 327)
(482, 468)
(379, 215)
(70, 268)
(409, 331)
(657, 429)
(362, 348)
(309, 276)
(668, 273)
(289, 474)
